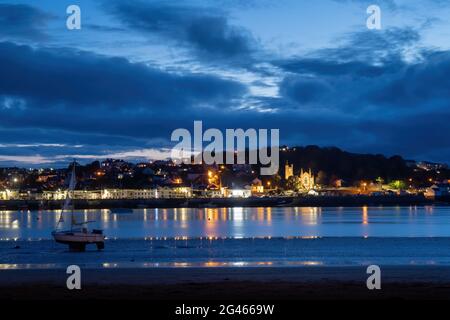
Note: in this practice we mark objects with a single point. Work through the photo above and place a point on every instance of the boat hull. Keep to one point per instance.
(77, 241)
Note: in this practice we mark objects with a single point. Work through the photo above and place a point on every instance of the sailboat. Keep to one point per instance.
(78, 236)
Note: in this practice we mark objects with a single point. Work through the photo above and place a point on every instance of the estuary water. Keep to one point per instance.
(233, 237)
(415, 221)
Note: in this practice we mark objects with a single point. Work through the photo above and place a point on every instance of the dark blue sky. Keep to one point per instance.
(137, 70)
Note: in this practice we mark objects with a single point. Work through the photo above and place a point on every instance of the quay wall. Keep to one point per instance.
(302, 201)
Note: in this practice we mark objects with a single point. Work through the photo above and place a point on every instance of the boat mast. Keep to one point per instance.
(72, 185)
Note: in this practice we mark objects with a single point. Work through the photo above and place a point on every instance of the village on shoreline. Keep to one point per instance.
(309, 176)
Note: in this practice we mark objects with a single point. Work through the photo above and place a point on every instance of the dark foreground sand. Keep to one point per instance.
(267, 283)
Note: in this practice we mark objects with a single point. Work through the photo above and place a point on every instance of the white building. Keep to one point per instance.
(9, 194)
(114, 194)
(240, 193)
(129, 194)
(176, 192)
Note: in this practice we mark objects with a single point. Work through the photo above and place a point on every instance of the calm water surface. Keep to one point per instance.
(234, 237)
(415, 221)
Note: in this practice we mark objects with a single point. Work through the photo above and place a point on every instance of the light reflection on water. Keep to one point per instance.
(208, 264)
(413, 221)
(201, 264)
(184, 252)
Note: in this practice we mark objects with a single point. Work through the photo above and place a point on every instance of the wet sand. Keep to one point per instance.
(265, 283)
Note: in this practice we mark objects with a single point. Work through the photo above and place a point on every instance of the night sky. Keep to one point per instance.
(137, 70)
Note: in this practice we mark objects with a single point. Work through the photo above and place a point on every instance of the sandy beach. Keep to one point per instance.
(267, 283)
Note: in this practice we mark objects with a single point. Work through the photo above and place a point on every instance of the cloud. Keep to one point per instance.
(25, 160)
(142, 154)
(331, 67)
(33, 155)
(399, 87)
(23, 22)
(63, 97)
(371, 92)
(388, 4)
(304, 90)
(64, 77)
(379, 100)
(37, 145)
(206, 31)
(106, 104)
(357, 75)
(423, 85)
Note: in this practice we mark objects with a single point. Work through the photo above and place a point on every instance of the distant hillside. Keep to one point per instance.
(335, 163)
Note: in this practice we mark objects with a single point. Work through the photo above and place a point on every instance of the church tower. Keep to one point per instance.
(288, 170)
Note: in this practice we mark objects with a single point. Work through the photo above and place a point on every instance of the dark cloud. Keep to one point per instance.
(48, 77)
(367, 69)
(362, 95)
(379, 100)
(207, 31)
(331, 68)
(23, 22)
(304, 90)
(372, 47)
(106, 104)
(400, 87)
(420, 85)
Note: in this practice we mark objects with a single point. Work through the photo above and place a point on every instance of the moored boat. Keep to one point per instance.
(78, 236)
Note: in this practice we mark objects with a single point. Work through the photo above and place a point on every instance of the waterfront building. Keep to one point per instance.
(73, 194)
(212, 193)
(239, 193)
(174, 192)
(120, 194)
(116, 194)
(8, 194)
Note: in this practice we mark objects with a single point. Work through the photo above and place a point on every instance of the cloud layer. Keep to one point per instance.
(22, 21)
(205, 31)
(368, 91)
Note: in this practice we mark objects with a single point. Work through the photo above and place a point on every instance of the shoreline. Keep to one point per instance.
(304, 201)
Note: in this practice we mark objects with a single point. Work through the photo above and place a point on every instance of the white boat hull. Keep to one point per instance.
(77, 240)
(78, 237)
